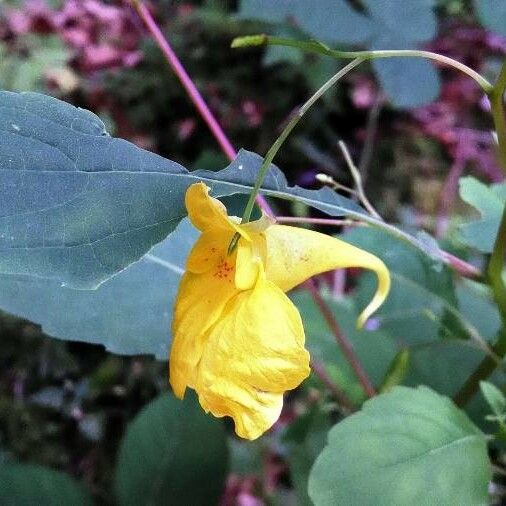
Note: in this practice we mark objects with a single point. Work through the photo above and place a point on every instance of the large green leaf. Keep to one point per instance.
(173, 453)
(128, 314)
(410, 446)
(492, 14)
(408, 82)
(78, 206)
(374, 349)
(330, 20)
(489, 202)
(385, 24)
(422, 289)
(29, 485)
(399, 17)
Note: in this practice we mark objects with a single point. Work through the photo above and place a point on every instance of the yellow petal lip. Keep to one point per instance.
(255, 352)
(296, 254)
(207, 213)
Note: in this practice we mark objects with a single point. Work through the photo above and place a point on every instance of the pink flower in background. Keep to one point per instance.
(102, 36)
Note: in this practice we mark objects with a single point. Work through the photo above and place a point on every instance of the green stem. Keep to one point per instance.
(318, 47)
(496, 262)
(269, 157)
(496, 97)
(495, 268)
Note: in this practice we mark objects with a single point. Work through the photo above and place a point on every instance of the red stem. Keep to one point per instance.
(342, 340)
(337, 392)
(447, 197)
(192, 91)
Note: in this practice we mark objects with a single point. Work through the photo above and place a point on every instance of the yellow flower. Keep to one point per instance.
(238, 339)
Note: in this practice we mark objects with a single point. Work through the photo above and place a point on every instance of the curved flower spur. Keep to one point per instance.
(238, 339)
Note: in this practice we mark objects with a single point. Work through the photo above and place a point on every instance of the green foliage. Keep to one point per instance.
(397, 371)
(492, 14)
(497, 402)
(386, 24)
(489, 201)
(403, 448)
(494, 397)
(94, 204)
(129, 314)
(422, 289)
(172, 453)
(374, 349)
(28, 485)
(330, 20)
(25, 69)
(93, 244)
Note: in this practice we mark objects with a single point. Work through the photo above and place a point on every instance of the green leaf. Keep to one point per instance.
(476, 303)
(489, 201)
(78, 206)
(27, 485)
(389, 24)
(445, 366)
(397, 371)
(494, 397)
(430, 365)
(408, 82)
(422, 289)
(173, 453)
(492, 14)
(410, 446)
(129, 314)
(399, 18)
(374, 349)
(329, 20)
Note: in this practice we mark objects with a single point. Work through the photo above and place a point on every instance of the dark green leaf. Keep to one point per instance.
(494, 397)
(410, 446)
(173, 453)
(422, 289)
(445, 366)
(30, 485)
(374, 349)
(489, 202)
(389, 24)
(408, 82)
(397, 371)
(128, 314)
(476, 303)
(78, 206)
(328, 20)
(492, 14)
(411, 22)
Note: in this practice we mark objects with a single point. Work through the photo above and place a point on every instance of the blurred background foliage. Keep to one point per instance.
(413, 129)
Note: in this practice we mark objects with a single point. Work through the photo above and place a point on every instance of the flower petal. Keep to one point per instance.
(200, 302)
(296, 254)
(253, 354)
(210, 248)
(207, 213)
